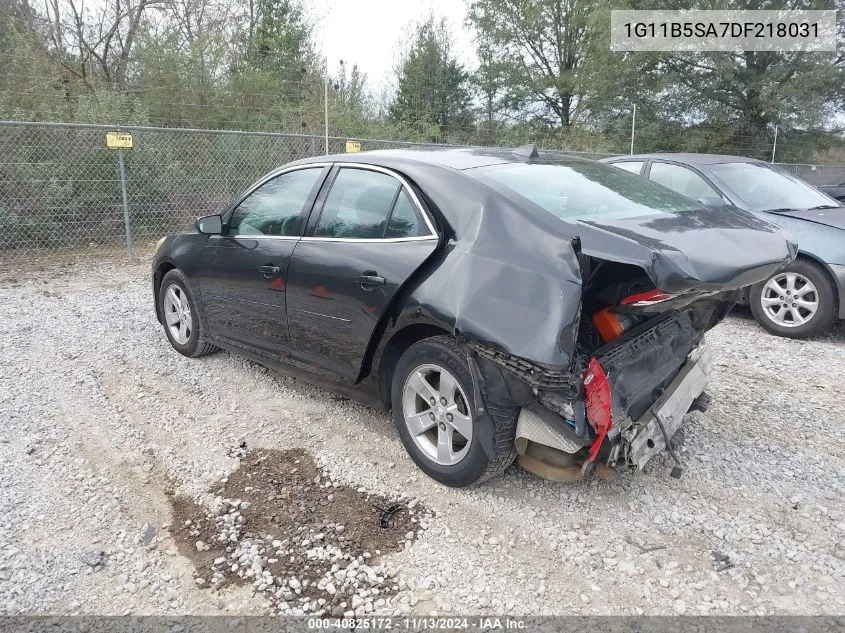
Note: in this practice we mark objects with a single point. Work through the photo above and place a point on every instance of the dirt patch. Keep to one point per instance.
(309, 544)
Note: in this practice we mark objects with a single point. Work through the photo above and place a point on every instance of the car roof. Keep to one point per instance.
(454, 158)
(690, 159)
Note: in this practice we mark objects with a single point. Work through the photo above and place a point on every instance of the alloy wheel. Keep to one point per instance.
(789, 299)
(177, 314)
(437, 414)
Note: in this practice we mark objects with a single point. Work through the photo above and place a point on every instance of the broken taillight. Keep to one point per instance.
(598, 404)
(611, 325)
(646, 298)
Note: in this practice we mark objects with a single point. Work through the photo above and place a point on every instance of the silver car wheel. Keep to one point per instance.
(789, 299)
(177, 314)
(437, 414)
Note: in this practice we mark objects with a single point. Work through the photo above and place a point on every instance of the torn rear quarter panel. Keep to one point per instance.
(505, 279)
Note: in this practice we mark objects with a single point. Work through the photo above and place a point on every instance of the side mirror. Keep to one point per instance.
(712, 202)
(210, 225)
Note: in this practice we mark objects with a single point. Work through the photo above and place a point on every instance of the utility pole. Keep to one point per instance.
(775, 144)
(326, 101)
(633, 127)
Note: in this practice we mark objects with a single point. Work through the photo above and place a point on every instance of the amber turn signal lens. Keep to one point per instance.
(608, 324)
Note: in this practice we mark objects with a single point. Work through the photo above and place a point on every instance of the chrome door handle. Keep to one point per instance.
(370, 280)
(269, 271)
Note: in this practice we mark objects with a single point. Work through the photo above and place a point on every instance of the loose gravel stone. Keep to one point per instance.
(93, 559)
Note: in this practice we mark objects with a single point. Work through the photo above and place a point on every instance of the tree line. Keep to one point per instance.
(544, 73)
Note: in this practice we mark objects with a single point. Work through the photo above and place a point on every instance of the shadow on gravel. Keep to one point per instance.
(308, 544)
(836, 334)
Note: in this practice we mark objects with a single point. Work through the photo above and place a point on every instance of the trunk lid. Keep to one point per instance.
(702, 251)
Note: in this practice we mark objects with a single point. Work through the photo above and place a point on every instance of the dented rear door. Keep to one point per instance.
(368, 236)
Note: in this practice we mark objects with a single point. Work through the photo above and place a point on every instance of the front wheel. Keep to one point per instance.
(181, 317)
(797, 301)
(433, 409)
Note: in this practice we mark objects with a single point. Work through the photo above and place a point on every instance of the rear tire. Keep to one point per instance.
(777, 305)
(436, 442)
(181, 317)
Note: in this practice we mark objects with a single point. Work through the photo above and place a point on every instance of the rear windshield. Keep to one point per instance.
(584, 190)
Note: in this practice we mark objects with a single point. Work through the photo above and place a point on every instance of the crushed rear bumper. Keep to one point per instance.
(644, 439)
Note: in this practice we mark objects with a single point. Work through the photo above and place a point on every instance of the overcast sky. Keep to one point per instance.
(368, 32)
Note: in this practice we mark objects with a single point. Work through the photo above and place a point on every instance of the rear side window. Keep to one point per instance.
(364, 204)
(358, 205)
(685, 181)
(405, 220)
(634, 166)
(275, 208)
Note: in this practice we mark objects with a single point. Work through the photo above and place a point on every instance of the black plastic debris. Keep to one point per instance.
(387, 514)
(722, 561)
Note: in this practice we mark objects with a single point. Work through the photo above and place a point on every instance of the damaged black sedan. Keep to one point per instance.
(504, 304)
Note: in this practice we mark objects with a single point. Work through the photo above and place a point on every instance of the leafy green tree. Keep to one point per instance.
(276, 76)
(717, 101)
(350, 104)
(281, 41)
(433, 98)
(349, 88)
(27, 88)
(757, 88)
(490, 84)
(540, 47)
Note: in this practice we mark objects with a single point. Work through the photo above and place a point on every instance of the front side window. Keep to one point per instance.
(575, 189)
(685, 181)
(358, 205)
(275, 208)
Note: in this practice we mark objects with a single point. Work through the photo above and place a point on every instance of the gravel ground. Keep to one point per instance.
(101, 420)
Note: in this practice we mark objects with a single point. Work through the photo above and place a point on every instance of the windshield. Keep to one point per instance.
(584, 190)
(763, 188)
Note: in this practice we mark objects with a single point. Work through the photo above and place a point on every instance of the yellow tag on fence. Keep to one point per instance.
(353, 146)
(118, 140)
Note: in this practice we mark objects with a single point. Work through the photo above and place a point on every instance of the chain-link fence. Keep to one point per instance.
(817, 175)
(61, 187)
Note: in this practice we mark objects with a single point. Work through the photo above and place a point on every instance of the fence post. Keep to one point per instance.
(633, 127)
(125, 204)
(313, 145)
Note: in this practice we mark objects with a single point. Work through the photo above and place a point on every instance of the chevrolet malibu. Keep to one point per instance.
(504, 304)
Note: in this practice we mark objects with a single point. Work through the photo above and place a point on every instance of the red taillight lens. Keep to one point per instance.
(598, 403)
(646, 298)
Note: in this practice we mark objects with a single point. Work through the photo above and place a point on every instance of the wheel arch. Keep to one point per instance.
(396, 345)
(815, 259)
(828, 273)
(161, 270)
